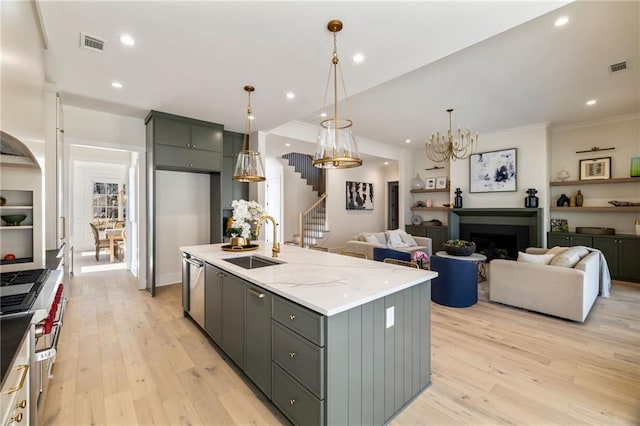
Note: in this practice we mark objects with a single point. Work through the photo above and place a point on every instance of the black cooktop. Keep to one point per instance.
(27, 286)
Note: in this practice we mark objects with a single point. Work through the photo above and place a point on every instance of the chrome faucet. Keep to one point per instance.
(276, 247)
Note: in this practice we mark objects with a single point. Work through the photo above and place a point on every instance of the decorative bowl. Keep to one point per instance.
(14, 219)
(459, 248)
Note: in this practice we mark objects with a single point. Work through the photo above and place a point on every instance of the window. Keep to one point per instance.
(109, 203)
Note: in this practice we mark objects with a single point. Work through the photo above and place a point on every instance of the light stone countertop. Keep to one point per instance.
(326, 283)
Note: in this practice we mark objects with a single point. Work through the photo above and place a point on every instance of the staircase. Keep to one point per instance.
(312, 223)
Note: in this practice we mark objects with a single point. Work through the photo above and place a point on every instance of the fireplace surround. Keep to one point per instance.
(509, 229)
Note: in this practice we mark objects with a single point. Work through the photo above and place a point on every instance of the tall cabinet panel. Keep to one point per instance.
(181, 144)
(231, 190)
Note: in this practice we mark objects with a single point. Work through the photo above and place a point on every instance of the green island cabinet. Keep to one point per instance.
(621, 251)
(348, 368)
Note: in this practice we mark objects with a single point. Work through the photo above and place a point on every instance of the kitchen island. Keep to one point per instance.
(330, 339)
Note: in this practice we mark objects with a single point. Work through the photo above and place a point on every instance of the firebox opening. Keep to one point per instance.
(495, 246)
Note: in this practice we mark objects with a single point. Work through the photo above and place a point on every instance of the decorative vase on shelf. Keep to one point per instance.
(563, 174)
(417, 182)
(531, 201)
(457, 201)
(572, 201)
(579, 199)
(563, 201)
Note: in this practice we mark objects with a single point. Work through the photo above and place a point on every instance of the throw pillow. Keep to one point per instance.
(371, 239)
(540, 259)
(557, 250)
(408, 239)
(570, 257)
(394, 239)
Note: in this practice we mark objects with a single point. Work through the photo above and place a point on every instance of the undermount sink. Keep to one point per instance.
(252, 262)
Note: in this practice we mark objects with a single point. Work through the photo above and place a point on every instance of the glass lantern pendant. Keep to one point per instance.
(248, 166)
(337, 147)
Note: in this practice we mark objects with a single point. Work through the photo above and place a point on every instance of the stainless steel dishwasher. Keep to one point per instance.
(193, 288)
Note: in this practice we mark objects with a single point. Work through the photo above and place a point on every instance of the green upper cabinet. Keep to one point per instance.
(183, 143)
(232, 190)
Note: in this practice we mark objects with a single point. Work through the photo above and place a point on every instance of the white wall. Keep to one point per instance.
(182, 219)
(297, 195)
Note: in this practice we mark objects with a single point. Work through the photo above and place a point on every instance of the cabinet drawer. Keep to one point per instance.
(187, 159)
(297, 403)
(299, 357)
(303, 321)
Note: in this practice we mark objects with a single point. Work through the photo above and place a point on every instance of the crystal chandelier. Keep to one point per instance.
(445, 148)
(337, 147)
(248, 166)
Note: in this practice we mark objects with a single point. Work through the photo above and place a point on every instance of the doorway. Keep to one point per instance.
(393, 210)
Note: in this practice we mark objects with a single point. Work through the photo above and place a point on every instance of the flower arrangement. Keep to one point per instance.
(460, 247)
(419, 257)
(244, 212)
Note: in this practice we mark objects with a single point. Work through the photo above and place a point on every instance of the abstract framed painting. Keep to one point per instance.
(493, 171)
(359, 196)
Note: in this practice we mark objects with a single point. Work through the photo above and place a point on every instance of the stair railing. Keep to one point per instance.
(306, 220)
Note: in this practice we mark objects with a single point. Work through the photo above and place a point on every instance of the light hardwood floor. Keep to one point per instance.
(128, 359)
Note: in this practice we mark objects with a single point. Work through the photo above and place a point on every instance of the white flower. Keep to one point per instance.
(245, 212)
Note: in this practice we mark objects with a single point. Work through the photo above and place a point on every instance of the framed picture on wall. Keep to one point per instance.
(493, 171)
(441, 182)
(595, 168)
(359, 196)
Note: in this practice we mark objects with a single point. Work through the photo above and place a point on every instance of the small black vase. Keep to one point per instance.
(457, 201)
(563, 201)
(531, 201)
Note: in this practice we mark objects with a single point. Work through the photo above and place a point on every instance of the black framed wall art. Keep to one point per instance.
(359, 196)
(493, 171)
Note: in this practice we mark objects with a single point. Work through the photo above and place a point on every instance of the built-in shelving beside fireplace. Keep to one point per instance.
(498, 232)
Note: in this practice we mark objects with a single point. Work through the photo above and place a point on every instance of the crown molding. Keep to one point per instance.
(599, 122)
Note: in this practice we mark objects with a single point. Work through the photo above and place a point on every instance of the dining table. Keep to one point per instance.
(114, 235)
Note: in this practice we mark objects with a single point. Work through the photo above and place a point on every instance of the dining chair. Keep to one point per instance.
(401, 262)
(100, 244)
(352, 254)
(122, 244)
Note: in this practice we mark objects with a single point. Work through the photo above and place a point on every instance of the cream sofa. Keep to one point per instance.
(359, 244)
(566, 292)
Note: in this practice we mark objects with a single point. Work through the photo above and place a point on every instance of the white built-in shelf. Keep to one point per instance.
(422, 191)
(595, 181)
(612, 209)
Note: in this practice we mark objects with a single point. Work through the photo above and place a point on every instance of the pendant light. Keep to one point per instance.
(337, 147)
(249, 166)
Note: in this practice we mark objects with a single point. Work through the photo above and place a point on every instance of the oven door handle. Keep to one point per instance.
(51, 351)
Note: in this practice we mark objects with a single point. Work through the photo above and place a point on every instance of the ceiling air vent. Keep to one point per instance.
(620, 66)
(91, 43)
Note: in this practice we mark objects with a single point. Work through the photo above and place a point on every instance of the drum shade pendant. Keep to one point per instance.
(445, 148)
(249, 166)
(337, 147)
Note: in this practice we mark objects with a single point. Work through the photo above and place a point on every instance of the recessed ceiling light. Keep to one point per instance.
(358, 57)
(291, 95)
(324, 114)
(287, 144)
(127, 40)
(561, 21)
(386, 163)
(116, 84)
(407, 141)
(591, 102)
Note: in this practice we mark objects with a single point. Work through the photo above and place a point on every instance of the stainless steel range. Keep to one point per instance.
(38, 292)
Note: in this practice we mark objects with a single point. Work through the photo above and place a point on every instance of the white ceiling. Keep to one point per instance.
(499, 64)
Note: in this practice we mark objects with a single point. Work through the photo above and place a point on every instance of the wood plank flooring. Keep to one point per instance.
(128, 359)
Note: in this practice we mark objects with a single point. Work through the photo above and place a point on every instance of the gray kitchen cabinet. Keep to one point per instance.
(257, 361)
(233, 318)
(622, 253)
(232, 190)
(568, 239)
(185, 159)
(187, 133)
(213, 302)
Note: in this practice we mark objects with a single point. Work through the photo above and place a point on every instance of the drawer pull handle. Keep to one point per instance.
(191, 165)
(292, 401)
(22, 404)
(292, 317)
(292, 354)
(25, 369)
(16, 419)
(256, 293)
